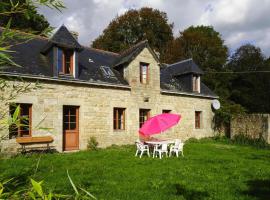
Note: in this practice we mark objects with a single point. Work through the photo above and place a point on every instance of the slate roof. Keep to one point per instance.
(184, 67)
(129, 54)
(30, 55)
(34, 63)
(174, 78)
(62, 38)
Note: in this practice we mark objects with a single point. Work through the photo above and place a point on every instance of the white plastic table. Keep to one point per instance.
(157, 143)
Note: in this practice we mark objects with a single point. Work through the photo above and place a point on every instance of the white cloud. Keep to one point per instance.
(238, 21)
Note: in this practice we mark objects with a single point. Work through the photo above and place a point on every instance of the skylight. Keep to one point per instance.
(107, 71)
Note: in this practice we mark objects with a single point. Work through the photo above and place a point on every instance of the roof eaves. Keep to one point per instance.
(189, 94)
(57, 79)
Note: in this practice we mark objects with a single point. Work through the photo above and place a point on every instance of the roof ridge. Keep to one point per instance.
(182, 61)
(23, 32)
(100, 50)
(133, 47)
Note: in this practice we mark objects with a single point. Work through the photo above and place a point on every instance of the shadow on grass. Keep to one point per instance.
(17, 181)
(190, 194)
(259, 189)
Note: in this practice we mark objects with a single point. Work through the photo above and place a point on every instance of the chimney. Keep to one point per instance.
(75, 34)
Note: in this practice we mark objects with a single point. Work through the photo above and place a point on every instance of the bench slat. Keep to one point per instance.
(30, 140)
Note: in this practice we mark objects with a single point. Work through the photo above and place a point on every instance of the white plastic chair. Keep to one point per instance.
(163, 148)
(141, 148)
(177, 147)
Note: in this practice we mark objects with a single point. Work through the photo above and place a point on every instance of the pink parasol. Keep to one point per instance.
(159, 123)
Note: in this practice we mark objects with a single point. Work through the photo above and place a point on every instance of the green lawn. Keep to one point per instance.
(209, 170)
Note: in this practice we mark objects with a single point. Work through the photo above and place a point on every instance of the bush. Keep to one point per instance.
(243, 139)
(92, 143)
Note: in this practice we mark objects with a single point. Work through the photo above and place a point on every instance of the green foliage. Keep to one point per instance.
(243, 139)
(23, 14)
(210, 170)
(223, 116)
(135, 26)
(250, 89)
(36, 192)
(92, 144)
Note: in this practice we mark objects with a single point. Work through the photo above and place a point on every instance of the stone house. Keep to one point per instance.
(89, 92)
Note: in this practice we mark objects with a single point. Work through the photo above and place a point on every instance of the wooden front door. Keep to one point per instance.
(70, 128)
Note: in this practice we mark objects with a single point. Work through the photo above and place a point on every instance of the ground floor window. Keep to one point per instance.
(166, 111)
(119, 118)
(21, 126)
(144, 115)
(198, 119)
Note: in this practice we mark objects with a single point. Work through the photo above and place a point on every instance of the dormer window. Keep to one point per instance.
(65, 61)
(196, 83)
(144, 73)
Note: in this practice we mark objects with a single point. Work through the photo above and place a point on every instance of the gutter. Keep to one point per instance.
(189, 94)
(75, 81)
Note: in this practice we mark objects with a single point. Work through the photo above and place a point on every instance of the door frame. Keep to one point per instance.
(77, 129)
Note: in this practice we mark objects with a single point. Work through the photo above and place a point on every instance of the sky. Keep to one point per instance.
(238, 21)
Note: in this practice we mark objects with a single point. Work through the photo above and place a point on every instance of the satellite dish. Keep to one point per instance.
(216, 104)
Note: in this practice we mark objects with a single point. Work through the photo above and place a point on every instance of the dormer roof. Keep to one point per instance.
(63, 38)
(129, 54)
(184, 67)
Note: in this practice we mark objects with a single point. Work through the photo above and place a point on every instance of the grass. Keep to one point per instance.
(210, 170)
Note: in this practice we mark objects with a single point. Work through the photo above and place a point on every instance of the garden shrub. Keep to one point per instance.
(244, 139)
(92, 143)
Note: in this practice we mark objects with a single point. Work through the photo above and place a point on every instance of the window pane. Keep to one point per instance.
(72, 111)
(66, 126)
(72, 125)
(59, 60)
(144, 72)
(119, 118)
(72, 118)
(68, 57)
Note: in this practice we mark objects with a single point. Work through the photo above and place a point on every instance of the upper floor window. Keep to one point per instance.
(65, 61)
(22, 126)
(196, 83)
(144, 73)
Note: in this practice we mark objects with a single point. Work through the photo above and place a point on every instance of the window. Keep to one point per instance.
(198, 119)
(144, 115)
(196, 83)
(166, 111)
(65, 61)
(144, 73)
(107, 71)
(23, 127)
(119, 118)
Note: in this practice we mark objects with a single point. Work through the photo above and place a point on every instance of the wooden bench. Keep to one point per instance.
(25, 141)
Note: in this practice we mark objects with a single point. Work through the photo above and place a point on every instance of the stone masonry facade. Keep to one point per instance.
(96, 104)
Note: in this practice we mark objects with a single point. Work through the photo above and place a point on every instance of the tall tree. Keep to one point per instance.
(134, 26)
(206, 47)
(250, 85)
(23, 16)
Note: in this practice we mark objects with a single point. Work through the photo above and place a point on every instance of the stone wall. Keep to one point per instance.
(96, 108)
(253, 125)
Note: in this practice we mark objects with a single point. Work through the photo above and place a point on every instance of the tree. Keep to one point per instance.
(135, 26)
(250, 85)
(29, 21)
(205, 46)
